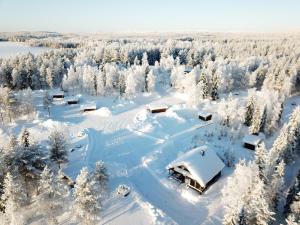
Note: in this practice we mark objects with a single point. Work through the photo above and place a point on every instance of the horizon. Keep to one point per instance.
(193, 16)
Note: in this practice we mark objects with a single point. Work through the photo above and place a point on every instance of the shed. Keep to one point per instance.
(73, 101)
(251, 141)
(198, 168)
(87, 108)
(157, 108)
(205, 116)
(58, 95)
(188, 70)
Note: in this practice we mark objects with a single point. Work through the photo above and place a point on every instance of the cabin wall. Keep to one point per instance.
(158, 110)
(249, 146)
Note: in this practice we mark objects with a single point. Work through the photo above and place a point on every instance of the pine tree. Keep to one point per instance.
(258, 207)
(276, 185)
(101, 175)
(204, 85)
(292, 194)
(215, 87)
(14, 198)
(263, 120)
(294, 215)
(51, 195)
(25, 138)
(260, 160)
(58, 147)
(86, 205)
(47, 102)
(249, 111)
(256, 122)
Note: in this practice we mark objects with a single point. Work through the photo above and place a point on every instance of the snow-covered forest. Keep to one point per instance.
(62, 165)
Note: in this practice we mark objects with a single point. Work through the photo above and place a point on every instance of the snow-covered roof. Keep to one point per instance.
(253, 139)
(204, 114)
(89, 106)
(202, 167)
(157, 106)
(72, 99)
(58, 93)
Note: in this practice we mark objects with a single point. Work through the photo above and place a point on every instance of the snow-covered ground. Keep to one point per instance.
(8, 49)
(136, 147)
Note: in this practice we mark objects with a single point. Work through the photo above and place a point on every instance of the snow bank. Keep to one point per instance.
(141, 116)
(172, 114)
(104, 112)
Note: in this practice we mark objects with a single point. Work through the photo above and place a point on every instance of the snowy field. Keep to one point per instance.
(136, 147)
(8, 49)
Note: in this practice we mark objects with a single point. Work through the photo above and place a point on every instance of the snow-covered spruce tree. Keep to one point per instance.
(236, 191)
(256, 121)
(204, 84)
(276, 186)
(249, 110)
(151, 81)
(14, 199)
(101, 176)
(287, 143)
(292, 194)
(294, 215)
(263, 120)
(86, 206)
(47, 100)
(58, 147)
(260, 160)
(51, 195)
(258, 208)
(214, 87)
(24, 138)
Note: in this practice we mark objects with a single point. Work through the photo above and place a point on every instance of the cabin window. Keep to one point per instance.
(198, 185)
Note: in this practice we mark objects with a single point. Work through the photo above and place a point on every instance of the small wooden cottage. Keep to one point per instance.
(72, 101)
(198, 168)
(88, 108)
(157, 108)
(58, 95)
(205, 116)
(251, 141)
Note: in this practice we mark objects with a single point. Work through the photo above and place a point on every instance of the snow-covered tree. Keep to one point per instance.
(260, 159)
(101, 175)
(14, 198)
(51, 196)
(58, 147)
(47, 100)
(249, 109)
(86, 206)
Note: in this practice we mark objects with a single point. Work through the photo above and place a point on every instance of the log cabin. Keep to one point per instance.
(157, 108)
(198, 169)
(251, 141)
(205, 116)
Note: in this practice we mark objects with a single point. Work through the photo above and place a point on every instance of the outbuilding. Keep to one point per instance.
(205, 116)
(198, 169)
(157, 108)
(251, 141)
(91, 107)
(58, 95)
(72, 101)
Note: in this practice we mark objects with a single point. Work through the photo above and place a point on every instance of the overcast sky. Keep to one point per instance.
(149, 15)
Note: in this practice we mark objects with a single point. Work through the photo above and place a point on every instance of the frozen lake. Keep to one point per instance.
(8, 49)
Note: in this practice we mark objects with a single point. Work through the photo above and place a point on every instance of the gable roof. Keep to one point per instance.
(253, 139)
(157, 106)
(202, 167)
(204, 114)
